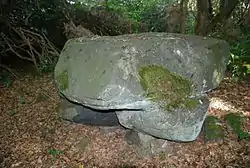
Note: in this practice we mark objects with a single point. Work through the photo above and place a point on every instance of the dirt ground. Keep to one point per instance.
(33, 136)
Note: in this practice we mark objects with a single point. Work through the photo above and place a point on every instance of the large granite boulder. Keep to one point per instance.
(156, 82)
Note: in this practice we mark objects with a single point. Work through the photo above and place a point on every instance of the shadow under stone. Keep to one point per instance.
(80, 114)
(95, 117)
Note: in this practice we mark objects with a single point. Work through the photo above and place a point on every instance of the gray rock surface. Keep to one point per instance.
(105, 73)
(146, 145)
(178, 124)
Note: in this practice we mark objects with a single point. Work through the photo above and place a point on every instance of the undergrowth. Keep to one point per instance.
(239, 64)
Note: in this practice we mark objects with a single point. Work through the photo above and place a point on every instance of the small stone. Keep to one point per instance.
(132, 137)
(146, 145)
(213, 129)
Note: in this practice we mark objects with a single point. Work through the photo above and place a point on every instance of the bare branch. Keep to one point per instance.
(8, 69)
(16, 53)
(33, 45)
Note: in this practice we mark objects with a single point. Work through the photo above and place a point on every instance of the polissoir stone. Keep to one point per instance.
(156, 82)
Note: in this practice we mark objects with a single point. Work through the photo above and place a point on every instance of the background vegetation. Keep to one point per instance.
(35, 31)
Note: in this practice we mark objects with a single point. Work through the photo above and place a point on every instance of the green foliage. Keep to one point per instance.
(146, 12)
(133, 8)
(191, 21)
(47, 65)
(154, 18)
(239, 63)
(55, 152)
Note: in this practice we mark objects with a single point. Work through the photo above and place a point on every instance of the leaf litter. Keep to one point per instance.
(33, 135)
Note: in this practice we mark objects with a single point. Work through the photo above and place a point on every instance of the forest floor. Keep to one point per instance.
(33, 135)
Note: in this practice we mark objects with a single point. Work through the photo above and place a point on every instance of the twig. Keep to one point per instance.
(22, 40)
(52, 47)
(43, 38)
(16, 53)
(8, 69)
(32, 54)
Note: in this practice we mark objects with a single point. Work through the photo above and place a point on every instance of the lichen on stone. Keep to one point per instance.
(166, 88)
(62, 80)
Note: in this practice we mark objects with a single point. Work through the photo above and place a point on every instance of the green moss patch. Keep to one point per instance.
(213, 129)
(165, 87)
(62, 80)
(235, 121)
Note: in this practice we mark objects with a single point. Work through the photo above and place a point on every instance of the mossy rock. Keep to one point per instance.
(235, 121)
(213, 129)
(158, 89)
(62, 79)
(167, 88)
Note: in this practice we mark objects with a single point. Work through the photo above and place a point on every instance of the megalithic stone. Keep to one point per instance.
(156, 82)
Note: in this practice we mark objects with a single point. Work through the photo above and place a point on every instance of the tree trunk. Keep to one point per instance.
(203, 8)
(226, 9)
(184, 13)
(206, 22)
